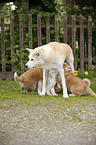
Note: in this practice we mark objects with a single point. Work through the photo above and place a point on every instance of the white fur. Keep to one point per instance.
(52, 81)
(39, 87)
(15, 75)
(51, 56)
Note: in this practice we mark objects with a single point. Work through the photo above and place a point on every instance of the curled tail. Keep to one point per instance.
(89, 90)
(87, 81)
(16, 78)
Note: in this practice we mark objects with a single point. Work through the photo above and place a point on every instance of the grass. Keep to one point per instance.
(71, 109)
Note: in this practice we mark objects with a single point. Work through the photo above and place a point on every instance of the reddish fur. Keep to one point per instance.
(76, 85)
(30, 78)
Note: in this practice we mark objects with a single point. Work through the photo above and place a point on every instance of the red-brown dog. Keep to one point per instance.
(76, 85)
(29, 79)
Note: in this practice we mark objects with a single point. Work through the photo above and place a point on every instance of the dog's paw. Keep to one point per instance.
(42, 93)
(65, 96)
(49, 94)
(54, 94)
(71, 95)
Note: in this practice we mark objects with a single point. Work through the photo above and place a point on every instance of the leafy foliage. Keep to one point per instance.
(45, 8)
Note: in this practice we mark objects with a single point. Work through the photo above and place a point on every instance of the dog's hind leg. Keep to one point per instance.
(61, 72)
(70, 60)
(77, 90)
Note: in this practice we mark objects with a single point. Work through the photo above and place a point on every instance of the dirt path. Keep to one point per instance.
(41, 125)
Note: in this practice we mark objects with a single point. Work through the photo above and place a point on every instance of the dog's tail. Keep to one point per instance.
(87, 81)
(90, 91)
(16, 78)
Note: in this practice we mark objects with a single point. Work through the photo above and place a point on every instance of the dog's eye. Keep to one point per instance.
(32, 59)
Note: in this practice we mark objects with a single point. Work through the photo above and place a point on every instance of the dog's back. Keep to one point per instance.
(30, 78)
(60, 49)
(35, 74)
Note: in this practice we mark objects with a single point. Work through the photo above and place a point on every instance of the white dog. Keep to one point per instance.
(51, 56)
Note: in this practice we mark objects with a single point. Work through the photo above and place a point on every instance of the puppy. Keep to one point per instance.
(76, 85)
(29, 79)
(51, 56)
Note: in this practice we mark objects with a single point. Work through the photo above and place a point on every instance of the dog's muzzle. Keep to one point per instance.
(27, 64)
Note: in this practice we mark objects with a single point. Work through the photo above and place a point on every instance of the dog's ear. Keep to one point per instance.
(40, 52)
(68, 68)
(37, 53)
(30, 50)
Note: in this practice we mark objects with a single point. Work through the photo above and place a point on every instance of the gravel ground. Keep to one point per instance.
(40, 125)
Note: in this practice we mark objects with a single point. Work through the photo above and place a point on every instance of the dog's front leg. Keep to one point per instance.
(44, 82)
(48, 84)
(61, 72)
(39, 87)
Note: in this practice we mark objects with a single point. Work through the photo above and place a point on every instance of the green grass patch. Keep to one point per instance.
(57, 106)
